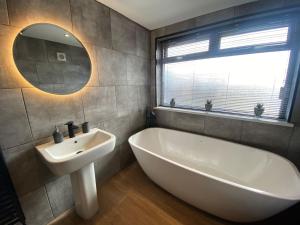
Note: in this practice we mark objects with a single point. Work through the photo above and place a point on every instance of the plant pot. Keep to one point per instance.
(258, 111)
(208, 107)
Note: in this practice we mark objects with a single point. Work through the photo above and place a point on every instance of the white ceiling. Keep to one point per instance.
(154, 14)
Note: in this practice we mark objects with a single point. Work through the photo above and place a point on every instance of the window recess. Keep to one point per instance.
(236, 65)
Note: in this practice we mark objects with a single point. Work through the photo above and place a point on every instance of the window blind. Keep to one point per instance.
(236, 81)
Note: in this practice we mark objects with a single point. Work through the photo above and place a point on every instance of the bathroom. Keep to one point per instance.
(138, 75)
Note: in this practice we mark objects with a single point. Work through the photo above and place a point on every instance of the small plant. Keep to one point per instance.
(259, 109)
(172, 103)
(208, 105)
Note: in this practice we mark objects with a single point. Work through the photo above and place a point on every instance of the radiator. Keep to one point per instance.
(10, 209)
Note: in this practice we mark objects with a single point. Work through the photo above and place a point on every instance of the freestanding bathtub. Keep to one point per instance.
(232, 181)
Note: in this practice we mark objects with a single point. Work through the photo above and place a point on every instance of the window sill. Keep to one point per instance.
(221, 115)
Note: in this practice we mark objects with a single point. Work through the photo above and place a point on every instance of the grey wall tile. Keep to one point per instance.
(269, 137)
(3, 12)
(112, 67)
(45, 111)
(120, 127)
(295, 141)
(99, 103)
(142, 42)
(60, 195)
(133, 97)
(14, 124)
(296, 108)
(294, 147)
(223, 128)
(180, 121)
(138, 70)
(23, 13)
(25, 168)
(126, 155)
(36, 207)
(143, 97)
(92, 21)
(123, 104)
(107, 166)
(137, 121)
(123, 33)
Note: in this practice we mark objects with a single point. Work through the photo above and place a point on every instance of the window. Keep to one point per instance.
(236, 68)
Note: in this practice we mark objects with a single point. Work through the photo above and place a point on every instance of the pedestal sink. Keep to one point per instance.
(76, 156)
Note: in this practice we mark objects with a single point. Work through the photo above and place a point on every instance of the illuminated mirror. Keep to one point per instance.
(52, 59)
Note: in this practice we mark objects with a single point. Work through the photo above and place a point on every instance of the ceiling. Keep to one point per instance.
(154, 14)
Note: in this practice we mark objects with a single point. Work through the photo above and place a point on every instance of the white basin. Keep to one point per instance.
(76, 156)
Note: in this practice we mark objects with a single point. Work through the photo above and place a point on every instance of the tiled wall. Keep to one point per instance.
(115, 99)
(279, 139)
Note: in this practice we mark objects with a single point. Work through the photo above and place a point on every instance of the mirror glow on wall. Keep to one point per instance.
(52, 59)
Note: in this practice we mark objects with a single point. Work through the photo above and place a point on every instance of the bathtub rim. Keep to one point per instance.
(266, 193)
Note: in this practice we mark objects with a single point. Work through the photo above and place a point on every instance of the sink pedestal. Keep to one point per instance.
(85, 191)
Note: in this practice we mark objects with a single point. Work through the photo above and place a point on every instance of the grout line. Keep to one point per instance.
(8, 14)
(27, 114)
(45, 188)
(82, 105)
(71, 14)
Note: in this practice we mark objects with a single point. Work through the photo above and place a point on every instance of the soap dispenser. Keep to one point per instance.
(58, 136)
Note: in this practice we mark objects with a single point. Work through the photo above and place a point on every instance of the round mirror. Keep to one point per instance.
(52, 59)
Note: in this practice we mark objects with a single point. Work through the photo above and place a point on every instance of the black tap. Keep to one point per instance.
(71, 128)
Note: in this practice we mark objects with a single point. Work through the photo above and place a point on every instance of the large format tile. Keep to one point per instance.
(36, 207)
(223, 128)
(143, 98)
(23, 13)
(123, 33)
(14, 124)
(99, 103)
(142, 42)
(112, 67)
(271, 137)
(25, 168)
(126, 155)
(123, 104)
(107, 166)
(180, 121)
(45, 111)
(294, 147)
(60, 195)
(3, 12)
(138, 70)
(296, 109)
(92, 21)
(120, 127)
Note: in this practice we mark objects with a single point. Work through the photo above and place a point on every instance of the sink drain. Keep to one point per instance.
(78, 152)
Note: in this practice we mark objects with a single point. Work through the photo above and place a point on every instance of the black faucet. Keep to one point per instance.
(71, 128)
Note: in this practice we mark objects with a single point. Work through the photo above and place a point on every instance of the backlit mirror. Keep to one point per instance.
(52, 59)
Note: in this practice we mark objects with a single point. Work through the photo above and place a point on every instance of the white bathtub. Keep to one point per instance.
(232, 181)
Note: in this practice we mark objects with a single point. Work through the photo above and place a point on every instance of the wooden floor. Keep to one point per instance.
(130, 198)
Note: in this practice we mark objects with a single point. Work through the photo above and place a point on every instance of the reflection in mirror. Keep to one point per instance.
(52, 59)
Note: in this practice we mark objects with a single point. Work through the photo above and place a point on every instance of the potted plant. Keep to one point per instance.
(172, 103)
(259, 109)
(208, 105)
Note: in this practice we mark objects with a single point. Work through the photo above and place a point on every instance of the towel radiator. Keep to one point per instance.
(10, 209)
